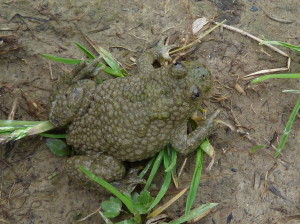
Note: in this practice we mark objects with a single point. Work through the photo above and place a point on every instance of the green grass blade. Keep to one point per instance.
(276, 76)
(10, 129)
(288, 127)
(154, 169)
(283, 44)
(173, 153)
(20, 129)
(253, 149)
(166, 183)
(40, 128)
(6, 123)
(194, 213)
(109, 59)
(147, 167)
(62, 60)
(69, 61)
(291, 91)
(53, 135)
(195, 181)
(128, 203)
(84, 50)
(207, 147)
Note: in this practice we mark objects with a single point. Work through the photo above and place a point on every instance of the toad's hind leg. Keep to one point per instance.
(74, 92)
(107, 167)
(104, 166)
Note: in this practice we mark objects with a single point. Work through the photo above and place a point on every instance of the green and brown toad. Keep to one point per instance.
(131, 118)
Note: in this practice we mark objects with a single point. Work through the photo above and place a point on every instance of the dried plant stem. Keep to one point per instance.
(250, 76)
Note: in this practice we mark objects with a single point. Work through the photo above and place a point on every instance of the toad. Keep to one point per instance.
(131, 118)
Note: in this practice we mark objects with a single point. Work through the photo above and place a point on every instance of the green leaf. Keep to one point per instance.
(6, 123)
(109, 59)
(195, 181)
(166, 183)
(283, 44)
(276, 76)
(194, 213)
(287, 128)
(154, 169)
(58, 147)
(173, 158)
(129, 221)
(207, 147)
(68, 61)
(84, 50)
(112, 207)
(106, 69)
(291, 91)
(128, 203)
(53, 135)
(143, 202)
(147, 167)
(257, 147)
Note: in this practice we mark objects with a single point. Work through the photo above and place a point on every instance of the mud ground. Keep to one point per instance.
(251, 188)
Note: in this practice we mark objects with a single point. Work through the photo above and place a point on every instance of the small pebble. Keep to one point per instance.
(273, 118)
(254, 8)
(233, 170)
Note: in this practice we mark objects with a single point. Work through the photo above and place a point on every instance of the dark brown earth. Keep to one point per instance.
(237, 179)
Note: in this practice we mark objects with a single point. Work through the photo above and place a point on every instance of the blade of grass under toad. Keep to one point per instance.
(40, 128)
(84, 50)
(276, 76)
(160, 209)
(20, 129)
(283, 44)
(6, 123)
(53, 135)
(154, 169)
(128, 203)
(173, 153)
(288, 127)
(194, 213)
(166, 183)
(147, 167)
(172, 166)
(195, 181)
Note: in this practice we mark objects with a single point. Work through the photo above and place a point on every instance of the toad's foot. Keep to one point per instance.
(129, 182)
(108, 168)
(163, 51)
(154, 57)
(186, 143)
(86, 70)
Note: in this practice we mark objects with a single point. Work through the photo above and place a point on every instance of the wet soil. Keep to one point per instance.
(250, 188)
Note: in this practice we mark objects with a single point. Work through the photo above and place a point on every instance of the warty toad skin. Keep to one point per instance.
(131, 118)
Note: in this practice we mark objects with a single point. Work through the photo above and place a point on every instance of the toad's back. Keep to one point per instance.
(132, 118)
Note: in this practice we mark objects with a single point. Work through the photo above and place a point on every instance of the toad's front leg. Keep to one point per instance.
(73, 93)
(186, 143)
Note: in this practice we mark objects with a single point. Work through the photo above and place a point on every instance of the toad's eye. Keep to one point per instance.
(195, 92)
(178, 66)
